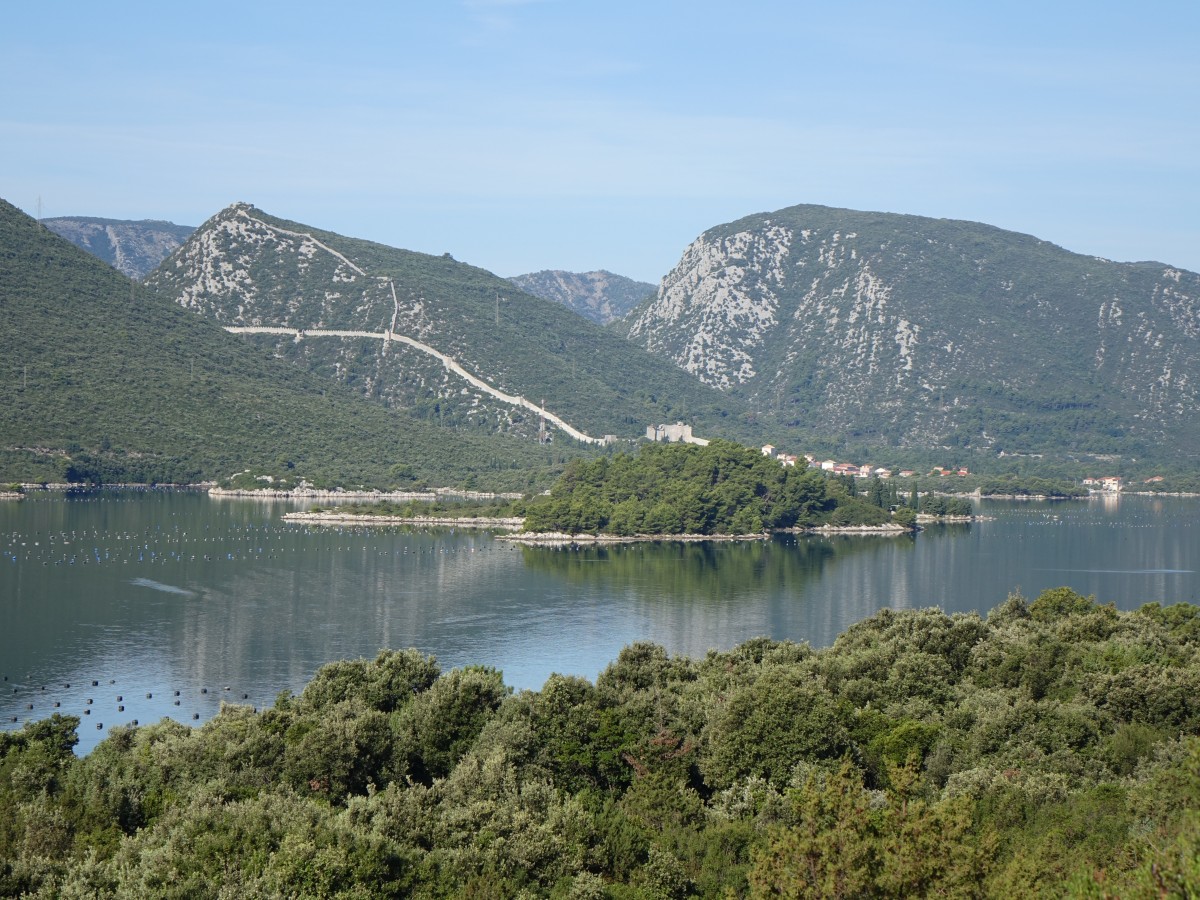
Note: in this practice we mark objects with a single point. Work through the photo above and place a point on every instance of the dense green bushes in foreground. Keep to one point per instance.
(1050, 749)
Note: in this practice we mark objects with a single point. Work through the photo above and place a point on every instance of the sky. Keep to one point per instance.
(521, 135)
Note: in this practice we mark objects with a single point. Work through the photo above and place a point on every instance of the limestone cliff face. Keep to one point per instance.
(600, 296)
(717, 306)
(134, 248)
(917, 332)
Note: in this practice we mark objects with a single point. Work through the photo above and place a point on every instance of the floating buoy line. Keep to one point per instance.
(132, 554)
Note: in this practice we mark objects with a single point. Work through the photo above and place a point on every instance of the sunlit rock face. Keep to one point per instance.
(932, 333)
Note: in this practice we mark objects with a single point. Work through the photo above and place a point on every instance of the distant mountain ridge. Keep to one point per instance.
(409, 325)
(600, 296)
(134, 248)
(879, 330)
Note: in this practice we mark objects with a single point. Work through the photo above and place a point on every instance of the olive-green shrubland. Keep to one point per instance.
(1048, 749)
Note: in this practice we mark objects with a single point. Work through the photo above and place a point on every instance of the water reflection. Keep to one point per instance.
(706, 572)
(155, 593)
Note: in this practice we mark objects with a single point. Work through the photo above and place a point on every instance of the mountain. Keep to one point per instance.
(600, 296)
(873, 330)
(134, 248)
(103, 377)
(451, 342)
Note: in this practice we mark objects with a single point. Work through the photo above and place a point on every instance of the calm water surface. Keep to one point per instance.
(152, 593)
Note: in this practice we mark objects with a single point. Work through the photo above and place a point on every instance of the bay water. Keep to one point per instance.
(118, 606)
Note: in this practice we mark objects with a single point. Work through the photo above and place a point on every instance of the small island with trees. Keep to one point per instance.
(719, 490)
(722, 491)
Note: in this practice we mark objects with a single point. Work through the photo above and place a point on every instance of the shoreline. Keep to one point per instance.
(1045, 497)
(332, 518)
(515, 524)
(339, 494)
(559, 539)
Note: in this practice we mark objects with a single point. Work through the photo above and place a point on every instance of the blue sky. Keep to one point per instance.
(527, 134)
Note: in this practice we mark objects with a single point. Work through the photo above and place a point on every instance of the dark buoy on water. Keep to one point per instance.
(204, 690)
(195, 715)
(95, 683)
(99, 725)
(148, 695)
(121, 708)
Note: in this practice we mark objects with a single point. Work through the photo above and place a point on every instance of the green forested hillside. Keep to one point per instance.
(104, 379)
(246, 268)
(1051, 749)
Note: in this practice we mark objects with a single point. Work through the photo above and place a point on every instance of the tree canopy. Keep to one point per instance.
(1048, 749)
(722, 488)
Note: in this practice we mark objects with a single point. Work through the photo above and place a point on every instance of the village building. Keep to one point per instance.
(674, 434)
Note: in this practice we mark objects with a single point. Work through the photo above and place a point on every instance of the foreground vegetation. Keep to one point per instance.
(1048, 749)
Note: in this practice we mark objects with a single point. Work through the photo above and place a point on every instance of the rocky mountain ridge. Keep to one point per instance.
(385, 321)
(882, 330)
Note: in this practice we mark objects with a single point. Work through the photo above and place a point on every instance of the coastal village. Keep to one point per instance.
(681, 433)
